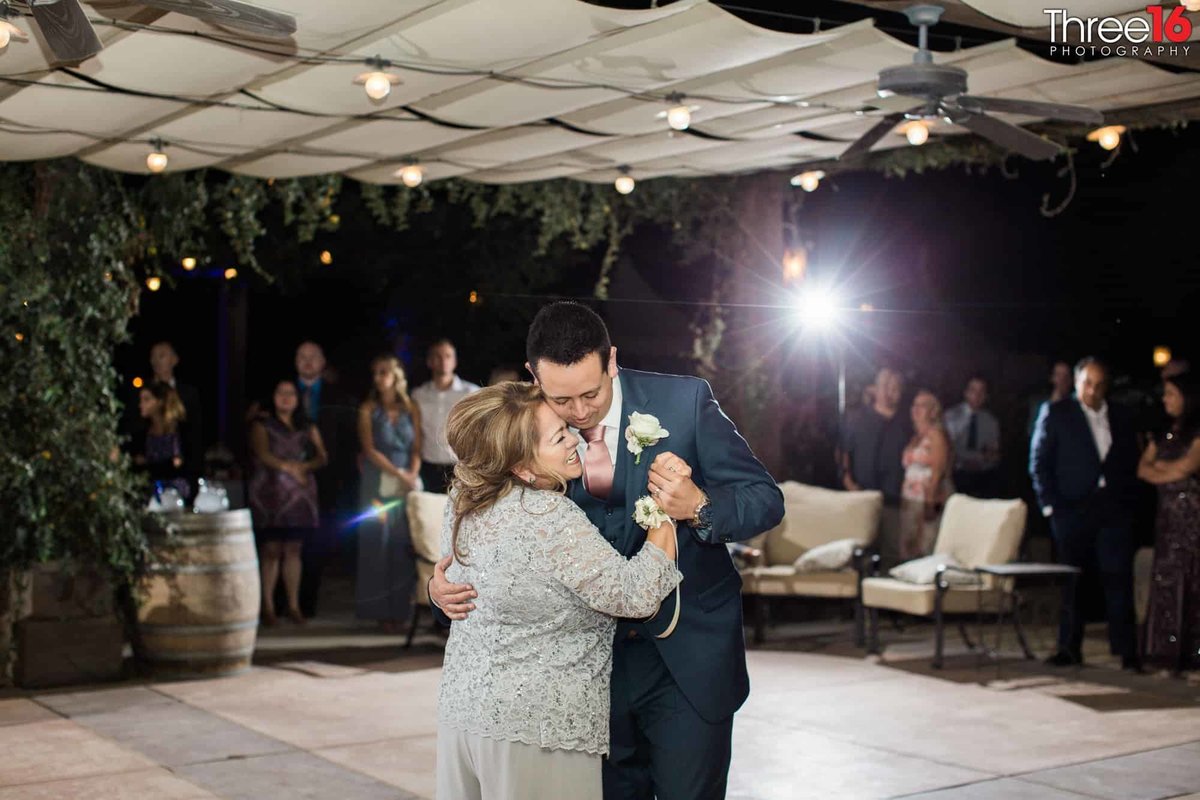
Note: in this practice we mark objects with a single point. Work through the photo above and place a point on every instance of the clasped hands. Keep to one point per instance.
(669, 483)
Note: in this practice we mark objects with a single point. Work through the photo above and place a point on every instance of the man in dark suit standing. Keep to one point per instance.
(1083, 461)
(673, 698)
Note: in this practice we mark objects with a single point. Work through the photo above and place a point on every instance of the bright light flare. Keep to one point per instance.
(818, 308)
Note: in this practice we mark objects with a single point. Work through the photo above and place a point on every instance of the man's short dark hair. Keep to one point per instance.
(975, 376)
(1090, 361)
(565, 333)
(429, 350)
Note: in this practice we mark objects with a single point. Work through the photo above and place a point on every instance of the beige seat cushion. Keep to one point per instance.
(784, 581)
(830, 557)
(981, 531)
(425, 512)
(916, 599)
(814, 516)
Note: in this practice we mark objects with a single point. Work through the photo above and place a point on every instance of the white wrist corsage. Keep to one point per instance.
(647, 514)
(643, 430)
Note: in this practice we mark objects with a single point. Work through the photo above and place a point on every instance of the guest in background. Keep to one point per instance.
(503, 375)
(1083, 461)
(926, 478)
(163, 361)
(975, 435)
(874, 438)
(333, 412)
(159, 452)
(435, 398)
(287, 449)
(1172, 464)
(1062, 384)
(389, 430)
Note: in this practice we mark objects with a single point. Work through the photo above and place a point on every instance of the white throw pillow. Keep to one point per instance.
(828, 557)
(924, 571)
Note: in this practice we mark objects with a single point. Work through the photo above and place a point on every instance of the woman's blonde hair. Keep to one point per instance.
(172, 408)
(493, 432)
(401, 387)
(935, 408)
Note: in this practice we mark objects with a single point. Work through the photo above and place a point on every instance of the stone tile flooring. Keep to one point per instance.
(342, 712)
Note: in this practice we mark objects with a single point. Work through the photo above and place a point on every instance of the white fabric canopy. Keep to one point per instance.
(503, 91)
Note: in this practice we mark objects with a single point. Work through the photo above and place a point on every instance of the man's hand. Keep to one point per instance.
(454, 599)
(672, 488)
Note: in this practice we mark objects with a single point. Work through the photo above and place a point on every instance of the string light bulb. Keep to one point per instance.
(230, 273)
(154, 283)
(411, 175)
(1162, 356)
(156, 160)
(138, 383)
(1108, 137)
(377, 82)
(326, 257)
(188, 263)
(679, 115)
(808, 181)
(8, 31)
(917, 133)
(624, 183)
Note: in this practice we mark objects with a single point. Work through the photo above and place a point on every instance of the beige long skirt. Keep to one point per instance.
(471, 767)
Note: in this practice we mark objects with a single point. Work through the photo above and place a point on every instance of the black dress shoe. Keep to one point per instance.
(1063, 659)
(1132, 664)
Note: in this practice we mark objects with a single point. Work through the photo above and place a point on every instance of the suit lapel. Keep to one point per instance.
(631, 477)
(1082, 422)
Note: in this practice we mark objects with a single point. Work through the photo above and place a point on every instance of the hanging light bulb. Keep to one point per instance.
(917, 133)
(808, 181)
(378, 82)
(326, 257)
(230, 273)
(1108, 137)
(8, 32)
(411, 175)
(679, 115)
(156, 161)
(154, 283)
(189, 263)
(624, 182)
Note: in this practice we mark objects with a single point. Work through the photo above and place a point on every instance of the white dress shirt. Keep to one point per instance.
(612, 427)
(1101, 431)
(435, 407)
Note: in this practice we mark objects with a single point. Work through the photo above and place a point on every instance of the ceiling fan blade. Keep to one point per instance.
(1010, 137)
(232, 14)
(66, 29)
(1031, 108)
(868, 140)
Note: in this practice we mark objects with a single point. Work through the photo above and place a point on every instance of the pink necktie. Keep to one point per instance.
(597, 465)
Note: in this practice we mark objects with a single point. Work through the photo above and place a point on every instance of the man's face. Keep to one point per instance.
(581, 394)
(310, 361)
(163, 360)
(1091, 384)
(442, 360)
(888, 388)
(976, 394)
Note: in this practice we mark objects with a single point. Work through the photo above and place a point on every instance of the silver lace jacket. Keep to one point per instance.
(533, 661)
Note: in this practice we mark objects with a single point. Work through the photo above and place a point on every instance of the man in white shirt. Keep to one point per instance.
(1083, 461)
(975, 434)
(436, 398)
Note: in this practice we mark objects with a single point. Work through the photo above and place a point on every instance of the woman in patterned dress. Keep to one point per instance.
(287, 448)
(927, 484)
(1172, 463)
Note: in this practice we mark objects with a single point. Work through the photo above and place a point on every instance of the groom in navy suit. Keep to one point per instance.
(673, 698)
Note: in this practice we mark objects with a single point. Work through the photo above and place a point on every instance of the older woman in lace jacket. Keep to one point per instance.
(524, 704)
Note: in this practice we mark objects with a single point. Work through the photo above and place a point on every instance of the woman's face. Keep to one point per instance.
(384, 377)
(556, 445)
(286, 398)
(1172, 400)
(148, 404)
(922, 410)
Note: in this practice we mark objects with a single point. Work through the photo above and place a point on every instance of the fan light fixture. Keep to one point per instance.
(808, 181)
(411, 175)
(917, 133)
(624, 183)
(156, 160)
(1108, 137)
(378, 82)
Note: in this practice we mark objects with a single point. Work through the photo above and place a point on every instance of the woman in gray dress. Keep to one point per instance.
(523, 708)
(389, 431)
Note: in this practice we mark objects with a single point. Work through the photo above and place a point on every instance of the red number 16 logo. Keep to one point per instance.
(1175, 28)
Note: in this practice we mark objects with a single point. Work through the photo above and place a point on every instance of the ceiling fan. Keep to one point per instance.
(70, 36)
(939, 91)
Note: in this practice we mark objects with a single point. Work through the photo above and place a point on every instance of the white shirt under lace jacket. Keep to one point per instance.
(533, 661)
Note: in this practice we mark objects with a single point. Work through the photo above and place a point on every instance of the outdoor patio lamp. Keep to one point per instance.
(410, 175)
(377, 82)
(1108, 137)
(917, 133)
(156, 159)
(624, 182)
(679, 115)
(808, 181)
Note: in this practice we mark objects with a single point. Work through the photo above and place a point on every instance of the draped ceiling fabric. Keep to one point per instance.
(502, 91)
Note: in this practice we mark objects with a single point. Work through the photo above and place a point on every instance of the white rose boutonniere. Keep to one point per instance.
(647, 514)
(643, 430)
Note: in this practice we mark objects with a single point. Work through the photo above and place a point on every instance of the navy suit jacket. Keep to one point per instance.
(706, 654)
(1065, 464)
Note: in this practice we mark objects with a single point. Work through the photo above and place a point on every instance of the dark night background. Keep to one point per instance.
(963, 270)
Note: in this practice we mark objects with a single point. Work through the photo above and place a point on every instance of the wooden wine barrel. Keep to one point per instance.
(199, 613)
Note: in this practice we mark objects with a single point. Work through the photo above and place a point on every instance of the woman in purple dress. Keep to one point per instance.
(287, 447)
(1172, 463)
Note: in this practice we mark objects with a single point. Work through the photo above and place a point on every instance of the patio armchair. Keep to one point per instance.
(973, 533)
(425, 511)
(812, 517)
